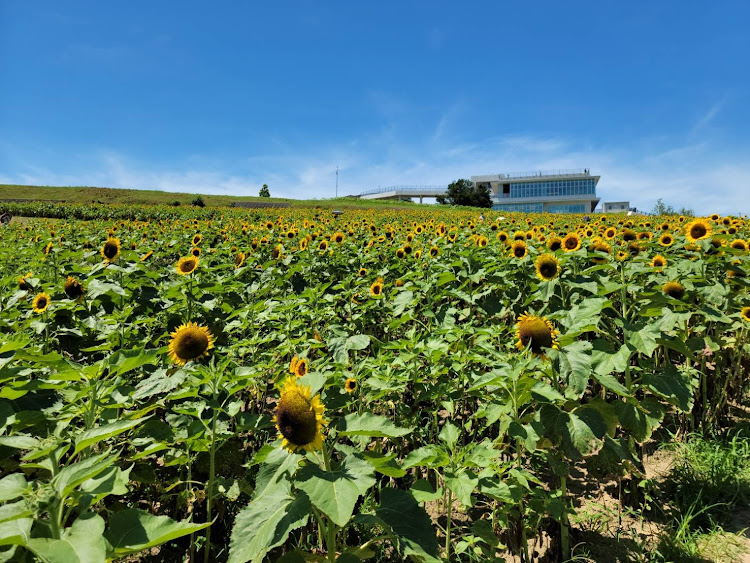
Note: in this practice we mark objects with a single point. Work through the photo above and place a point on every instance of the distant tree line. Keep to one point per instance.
(661, 208)
(464, 192)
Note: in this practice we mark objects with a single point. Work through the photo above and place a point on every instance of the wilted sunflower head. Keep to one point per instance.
(519, 249)
(187, 265)
(40, 303)
(745, 314)
(111, 249)
(299, 417)
(376, 289)
(190, 342)
(547, 267)
(536, 333)
(697, 229)
(658, 261)
(674, 289)
(571, 242)
(73, 288)
(351, 384)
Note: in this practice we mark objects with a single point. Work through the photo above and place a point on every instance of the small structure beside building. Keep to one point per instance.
(616, 207)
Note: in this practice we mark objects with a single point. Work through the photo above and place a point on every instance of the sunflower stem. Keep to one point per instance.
(212, 466)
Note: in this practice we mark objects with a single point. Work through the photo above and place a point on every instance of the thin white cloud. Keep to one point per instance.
(708, 117)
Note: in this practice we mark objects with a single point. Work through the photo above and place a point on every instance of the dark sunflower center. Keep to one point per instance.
(554, 245)
(41, 303)
(188, 266)
(351, 385)
(519, 251)
(191, 344)
(571, 242)
(110, 250)
(548, 269)
(73, 289)
(537, 332)
(376, 289)
(295, 419)
(698, 231)
(674, 290)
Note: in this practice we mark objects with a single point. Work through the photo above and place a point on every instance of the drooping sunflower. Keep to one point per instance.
(277, 252)
(190, 342)
(23, 282)
(300, 370)
(399, 283)
(519, 249)
(147, 255)
(299, 417)
(600, 246)
(536, 333)
(571, 242)
(239, 260)
(351, 384)
(376, 289)
(547, 267)
(186, 265)
(674, 289)
(111, 249)
(666, 239)
(739, 244)
(658, 261)
(293, 365)
(745, 314)
(40, 303)
(697, 229)
(73, 288)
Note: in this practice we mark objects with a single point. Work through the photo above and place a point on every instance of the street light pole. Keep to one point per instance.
(337, 181)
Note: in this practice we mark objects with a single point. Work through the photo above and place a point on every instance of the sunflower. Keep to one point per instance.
(519, 249)
(746, 314)
(40, 303)
(536, 333)
(434, 251)
(190, 342)
(674, 289)
(73, 288)
(697, 229)
(376, 289)
(299, 417)
(147, 255)
(481, 241)
(195, 251)
(293, 365)
(277, 252)
(351, 384)
(400, 253)
(547, 267)
(658, 261)
(362, 272)
(554, 243)
(300, 370)
(23, 282)
(197, 239)
(303, 244)
(399, 283)
(610, 233)
(739, 244)
(239, 259)
(111, 249)
(502, 236)
(323, 246)
(571, 242)
(187, 265)
(338, 237)
(666, 239)
(600, 246)
(47, 248)
(621, 255)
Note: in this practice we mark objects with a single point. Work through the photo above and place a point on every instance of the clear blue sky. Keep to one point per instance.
(221, 97)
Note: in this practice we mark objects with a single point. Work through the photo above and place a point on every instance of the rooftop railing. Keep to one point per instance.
(411, 189)
(537, 173)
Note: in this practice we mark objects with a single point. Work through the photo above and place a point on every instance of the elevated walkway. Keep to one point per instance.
(402, 192)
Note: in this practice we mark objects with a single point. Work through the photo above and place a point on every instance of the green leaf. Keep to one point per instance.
(14, 510)
(73, 475)
(610, 382)
(124, 361)
(450, 435)
(368, 424)
(672, 385)
(112, 482)
(95, 435)
(19, 442)
(265, 523)
(408, 522)
(462, 484)
(96, 287)
(403, 300)
(83, 542)
(12, 486)
(605, 362)
(574, 365)
(134, 530)
(422, 491)
(16, 531)
(643, 339)
(335, 492)
(641, 418)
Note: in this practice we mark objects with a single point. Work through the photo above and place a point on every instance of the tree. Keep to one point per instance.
(198, 202)
(661, 208)
(464, 192)
(264, 192)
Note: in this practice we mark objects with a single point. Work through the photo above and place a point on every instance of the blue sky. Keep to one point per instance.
(222, 97)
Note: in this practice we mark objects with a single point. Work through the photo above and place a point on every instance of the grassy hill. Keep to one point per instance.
(85, 194)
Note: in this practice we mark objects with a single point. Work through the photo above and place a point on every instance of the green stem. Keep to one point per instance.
(449, 510)
(564, 525)
(330, 527)
(212, 469)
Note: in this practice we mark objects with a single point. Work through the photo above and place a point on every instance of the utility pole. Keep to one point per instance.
(337, 181)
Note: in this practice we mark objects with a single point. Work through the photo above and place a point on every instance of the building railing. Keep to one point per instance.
(411, 189)
(538, 173)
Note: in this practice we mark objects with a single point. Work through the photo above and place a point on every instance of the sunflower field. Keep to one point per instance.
(392, 384)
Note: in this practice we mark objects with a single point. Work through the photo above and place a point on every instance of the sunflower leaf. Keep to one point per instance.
(368, 424)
